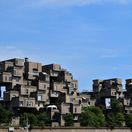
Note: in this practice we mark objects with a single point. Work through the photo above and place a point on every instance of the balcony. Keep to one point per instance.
(108, 93)
(8, 95)
(42, 96)
(77, 109)
(58, 86)
(128, 109)
(126, 102)
(34, 73)
(43, 85)
(19, 62)
(17, 72)
(65, 108)
(23, 102)
(54, 94)
(27, 90)
(53, 74)
(5, 77)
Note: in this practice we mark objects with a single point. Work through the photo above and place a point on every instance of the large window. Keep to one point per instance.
(39, 97)
(2, 90)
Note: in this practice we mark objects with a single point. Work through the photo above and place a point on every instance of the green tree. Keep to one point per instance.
(116, 106)
(116, 117)
(129, 120)
(115, 120)
(43, 119)
(29, 118)
(24, 119)
(68, 118)
(5, 115)
(92, 116)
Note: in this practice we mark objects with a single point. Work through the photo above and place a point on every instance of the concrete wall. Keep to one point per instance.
(71, 130)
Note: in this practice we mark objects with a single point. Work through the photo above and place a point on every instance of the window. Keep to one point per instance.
(30, 103)
(75, 109)
(35, 72)
(55, 88)
(21, 103)
(26, 91)
(16, 62)
(68, 109)
(13, 96)
(15, 71)
(47, 78)
(5, 78)
(72, 85)
(10, 78)
(75, 85)
(1, 68)
(16, 78)
(39, 97)
(29, 83)
(44, 85)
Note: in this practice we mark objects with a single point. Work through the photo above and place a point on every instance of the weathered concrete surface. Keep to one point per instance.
(71, 130)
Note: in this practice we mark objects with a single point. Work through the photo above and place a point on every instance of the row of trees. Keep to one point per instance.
(91, 116)
(40, 119)
(94, 117)
(37, 119)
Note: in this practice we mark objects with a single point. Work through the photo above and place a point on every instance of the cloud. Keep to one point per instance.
(75, 2)
(9, 51)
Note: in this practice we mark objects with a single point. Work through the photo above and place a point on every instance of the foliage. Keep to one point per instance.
(115, 120)
(40, 119)
(68, 119)
(129, 120)
(116, 106)
(92, 116)
(116, 117)
(43, 119)
(28, 118)
(5, 115)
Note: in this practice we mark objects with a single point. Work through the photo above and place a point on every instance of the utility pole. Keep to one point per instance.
(27, 125)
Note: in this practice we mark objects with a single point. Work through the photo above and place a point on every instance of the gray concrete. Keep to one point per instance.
(71, 130)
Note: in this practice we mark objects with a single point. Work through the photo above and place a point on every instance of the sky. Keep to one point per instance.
(90, 38)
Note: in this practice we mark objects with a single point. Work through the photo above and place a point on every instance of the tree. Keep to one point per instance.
(43, 119)
(129, 120)
(116, 117)
(29, 118)
(115, 120)
(92, 116)
(24, 119)
(116, 106)
(68, 119)
(5, 115)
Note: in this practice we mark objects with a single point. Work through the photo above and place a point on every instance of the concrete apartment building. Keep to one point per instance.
(31, 86)
(105, 90)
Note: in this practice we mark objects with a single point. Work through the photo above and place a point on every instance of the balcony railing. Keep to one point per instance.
(54, 94)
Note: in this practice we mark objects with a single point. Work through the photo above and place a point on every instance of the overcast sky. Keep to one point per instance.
(90, 38)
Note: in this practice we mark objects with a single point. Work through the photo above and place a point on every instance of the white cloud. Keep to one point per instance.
(74, 2)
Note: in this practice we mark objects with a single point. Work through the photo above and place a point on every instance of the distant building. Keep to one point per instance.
(105, 90)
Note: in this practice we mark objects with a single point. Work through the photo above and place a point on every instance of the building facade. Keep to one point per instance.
(31, 86)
